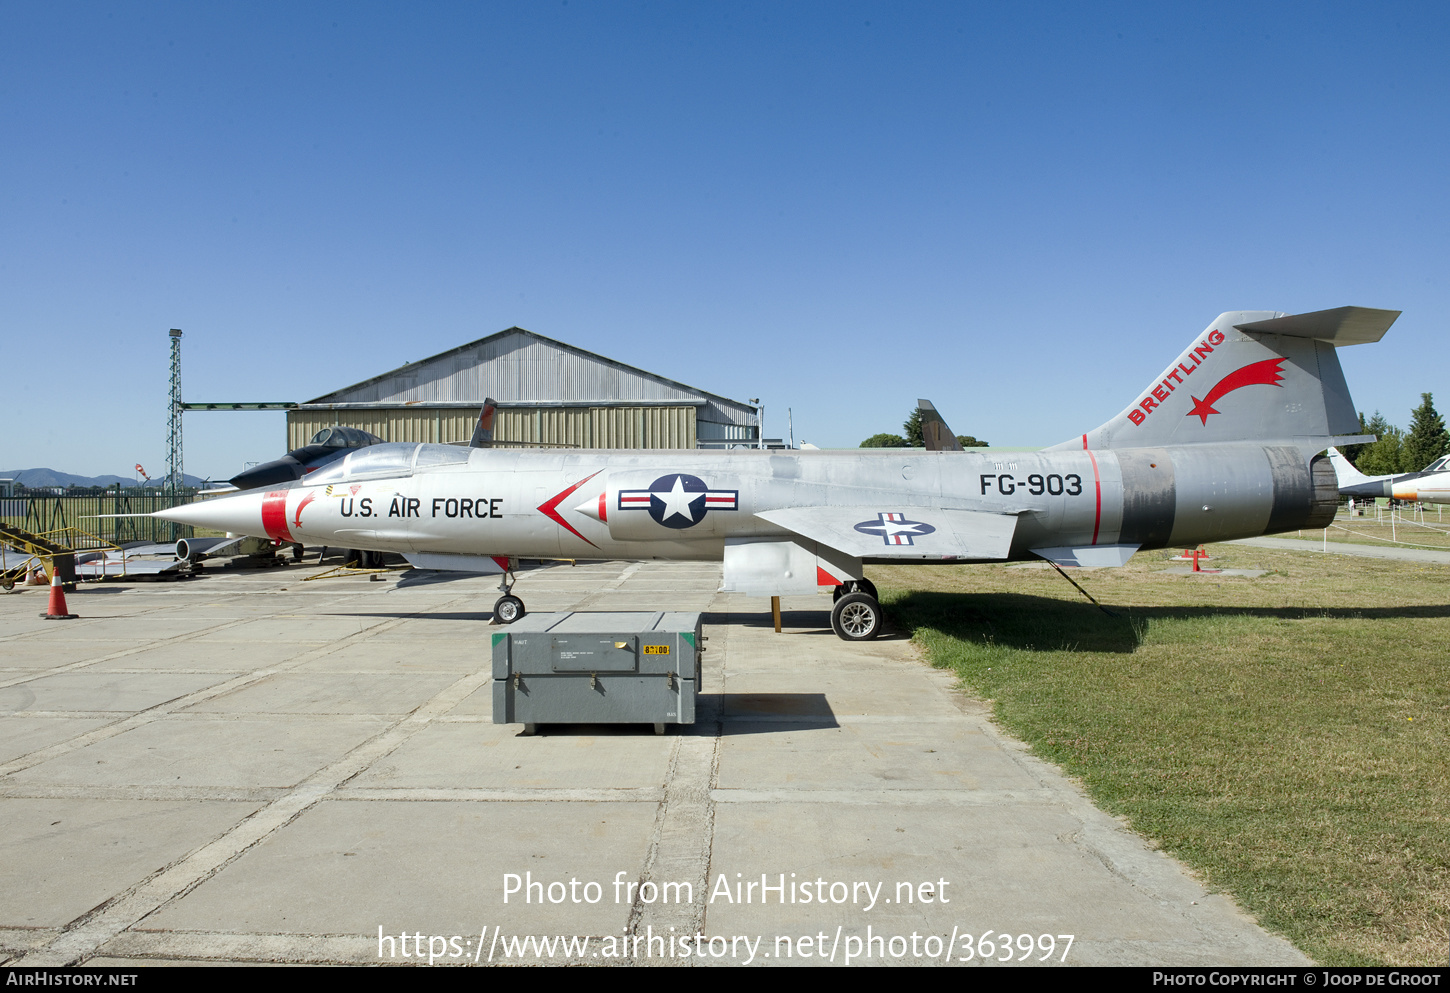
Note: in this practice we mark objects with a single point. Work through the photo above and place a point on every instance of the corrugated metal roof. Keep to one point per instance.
(520, 367)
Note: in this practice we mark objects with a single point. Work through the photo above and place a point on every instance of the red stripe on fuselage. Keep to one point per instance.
(274, 515)
(1098, 485)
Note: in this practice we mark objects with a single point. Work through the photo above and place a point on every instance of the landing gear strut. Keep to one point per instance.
(855, 586)
(507, 608)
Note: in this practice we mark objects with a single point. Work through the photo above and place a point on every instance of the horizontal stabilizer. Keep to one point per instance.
(1089, 556)
(1340, 326)
(913, 534)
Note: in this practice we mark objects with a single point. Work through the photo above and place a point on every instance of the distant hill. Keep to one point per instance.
(50, 477)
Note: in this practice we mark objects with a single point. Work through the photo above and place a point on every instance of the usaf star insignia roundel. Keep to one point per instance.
(895, 529)
(679, 500)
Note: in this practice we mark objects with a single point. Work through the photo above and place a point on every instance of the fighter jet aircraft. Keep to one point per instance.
(1430, 485)
(1234, 453)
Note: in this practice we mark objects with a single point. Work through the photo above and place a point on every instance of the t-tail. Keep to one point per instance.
(1252, 375)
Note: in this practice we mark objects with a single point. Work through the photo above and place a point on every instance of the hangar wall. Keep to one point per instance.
(580, 427)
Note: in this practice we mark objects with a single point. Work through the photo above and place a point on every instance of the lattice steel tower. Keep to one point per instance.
(174, 479)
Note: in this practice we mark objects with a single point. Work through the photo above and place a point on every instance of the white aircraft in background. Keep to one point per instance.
(1430, 485)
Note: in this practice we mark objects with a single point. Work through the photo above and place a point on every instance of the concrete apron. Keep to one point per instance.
(245, 768)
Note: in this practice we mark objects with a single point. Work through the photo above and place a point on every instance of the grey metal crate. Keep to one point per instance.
(626, 667)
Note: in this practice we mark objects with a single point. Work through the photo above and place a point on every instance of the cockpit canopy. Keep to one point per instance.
(338, 436)
(389, 459)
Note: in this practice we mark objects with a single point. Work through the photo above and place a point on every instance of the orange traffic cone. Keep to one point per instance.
(57, 610)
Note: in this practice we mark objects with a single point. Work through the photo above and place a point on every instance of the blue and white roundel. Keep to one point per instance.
(679, 500)
(895, 529)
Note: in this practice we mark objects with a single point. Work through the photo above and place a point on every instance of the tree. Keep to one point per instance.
(912, 427)
(1381, 458)
(1351, 452)
(1427, 439)
(967, 441)
(885, 441)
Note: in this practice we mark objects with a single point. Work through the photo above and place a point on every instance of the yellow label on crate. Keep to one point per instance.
(657, 649)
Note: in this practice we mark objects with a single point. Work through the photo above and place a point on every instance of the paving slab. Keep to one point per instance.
(477, 755)
(329, 693)
(102, 691)
(64, 857)
(255, 751)
(22, 734)
(350, 867)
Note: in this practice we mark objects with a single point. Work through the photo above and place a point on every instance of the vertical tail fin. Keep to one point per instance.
(934, 431)
(1344, 470)
(483, 430)
(1250, 376)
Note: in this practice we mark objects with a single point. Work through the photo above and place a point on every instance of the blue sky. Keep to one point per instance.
(1020, 211)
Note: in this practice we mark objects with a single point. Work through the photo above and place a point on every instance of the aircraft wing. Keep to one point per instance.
(916, 534)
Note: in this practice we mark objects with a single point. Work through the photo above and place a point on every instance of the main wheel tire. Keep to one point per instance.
(856, 617)
(507, 609)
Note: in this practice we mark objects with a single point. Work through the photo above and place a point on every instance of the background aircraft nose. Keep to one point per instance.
(273, 473)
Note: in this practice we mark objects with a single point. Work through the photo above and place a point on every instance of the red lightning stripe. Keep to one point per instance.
(274, 515)
(550, 507)
(1265, 373)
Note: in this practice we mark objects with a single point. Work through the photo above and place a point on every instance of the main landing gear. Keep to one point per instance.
(857, 614)
(507, 608)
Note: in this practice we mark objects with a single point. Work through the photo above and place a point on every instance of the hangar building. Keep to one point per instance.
(547, 392)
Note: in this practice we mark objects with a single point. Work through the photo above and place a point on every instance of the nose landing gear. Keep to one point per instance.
(508, 608)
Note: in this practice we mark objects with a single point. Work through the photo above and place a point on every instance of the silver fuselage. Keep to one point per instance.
(597, 504)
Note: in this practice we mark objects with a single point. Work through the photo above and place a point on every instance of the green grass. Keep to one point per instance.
(1285, 736)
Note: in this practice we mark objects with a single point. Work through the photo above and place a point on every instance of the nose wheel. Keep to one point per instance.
(507, 609)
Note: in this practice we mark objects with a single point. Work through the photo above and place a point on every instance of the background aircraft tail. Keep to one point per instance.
(1344, 470)
(935, 434)
(483, 430)
(1251, 375)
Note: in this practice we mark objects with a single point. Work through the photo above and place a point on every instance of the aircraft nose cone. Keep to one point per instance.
(239, 514)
